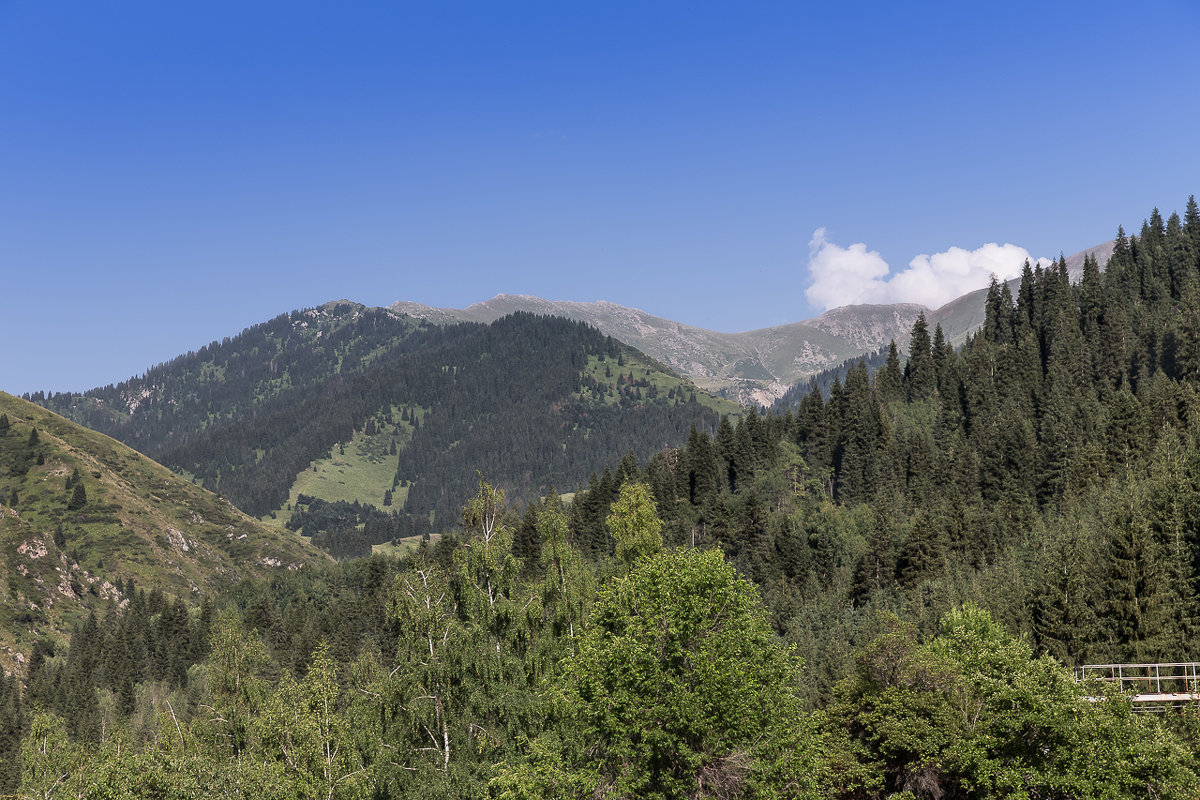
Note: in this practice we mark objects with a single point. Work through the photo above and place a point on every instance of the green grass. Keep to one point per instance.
(134, 525)
(402, 547)
(637, 368)
(361, 469)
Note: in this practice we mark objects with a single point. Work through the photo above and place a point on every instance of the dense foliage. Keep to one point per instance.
(467, 671)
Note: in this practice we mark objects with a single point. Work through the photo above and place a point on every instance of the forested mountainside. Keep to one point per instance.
(534, 401)
(179, 401)
(880, 595)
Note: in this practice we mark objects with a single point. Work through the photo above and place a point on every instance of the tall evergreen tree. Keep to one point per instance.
(889, 381)
(920, 376)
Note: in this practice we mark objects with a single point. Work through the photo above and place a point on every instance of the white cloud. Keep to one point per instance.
(843, 275)
(853, 275)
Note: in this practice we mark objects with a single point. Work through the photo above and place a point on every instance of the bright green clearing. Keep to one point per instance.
(361, 469)
(398, 548)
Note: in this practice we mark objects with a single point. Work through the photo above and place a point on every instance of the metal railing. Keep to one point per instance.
(1163, 683)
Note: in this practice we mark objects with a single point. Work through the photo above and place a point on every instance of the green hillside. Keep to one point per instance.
(363, 406)
(82, 515)
(173, 403)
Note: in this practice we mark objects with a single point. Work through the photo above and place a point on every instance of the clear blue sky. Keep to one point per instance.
(172, 172)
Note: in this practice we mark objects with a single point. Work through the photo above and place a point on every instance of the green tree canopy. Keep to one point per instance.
(634, 523)
(679, 688)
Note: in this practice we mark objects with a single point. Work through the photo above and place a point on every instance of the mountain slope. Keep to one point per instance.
(751, 366)
(172, 403)
(530, 401)
(65, 551)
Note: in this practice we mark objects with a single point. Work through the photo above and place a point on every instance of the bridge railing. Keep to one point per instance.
(1174, 683)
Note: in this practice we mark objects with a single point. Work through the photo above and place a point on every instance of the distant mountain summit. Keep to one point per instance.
(754, 366)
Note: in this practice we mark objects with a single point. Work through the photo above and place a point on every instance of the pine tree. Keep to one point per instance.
(1025, 315)
(998, 311)
(856, 457)
(703, 469)
(12, 727)
(924, 554)
(1191, 227)
(812, 430)
(944, 366)
(875, 571)
(1181, 261)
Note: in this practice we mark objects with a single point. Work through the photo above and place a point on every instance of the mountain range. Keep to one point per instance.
(755, 366)
(384, 415)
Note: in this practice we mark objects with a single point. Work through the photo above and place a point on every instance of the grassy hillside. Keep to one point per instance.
(64, 551)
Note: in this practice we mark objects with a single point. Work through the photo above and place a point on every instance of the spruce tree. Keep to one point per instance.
(920, 377)
(1024, 315)
(924, 554)
(78, 498)
(889, 381)
(1181, 261)
(1191, 227)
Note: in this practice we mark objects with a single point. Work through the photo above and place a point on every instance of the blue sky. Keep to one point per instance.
(171, 173)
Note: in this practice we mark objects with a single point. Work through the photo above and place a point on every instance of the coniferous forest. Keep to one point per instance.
(879, 591)
(530, 399)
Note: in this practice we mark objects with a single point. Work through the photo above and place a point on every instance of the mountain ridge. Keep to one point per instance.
(368, 406)
(754, 366)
